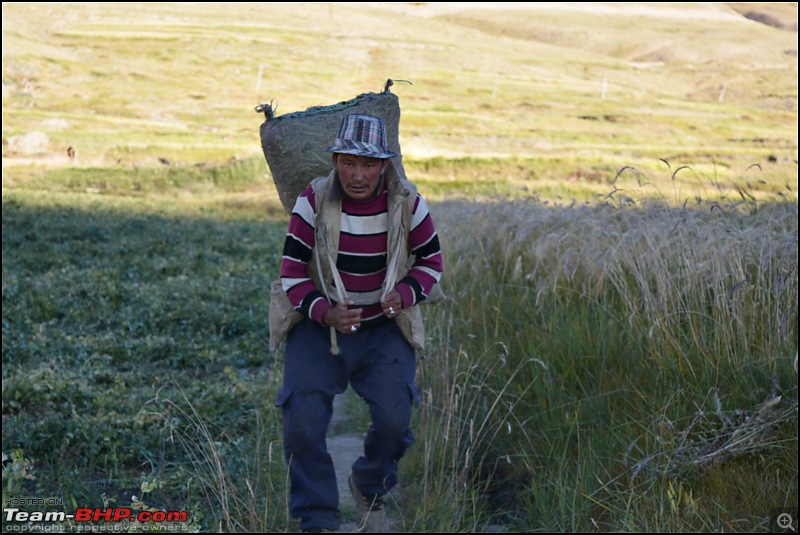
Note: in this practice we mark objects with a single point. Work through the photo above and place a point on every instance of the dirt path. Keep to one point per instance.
(345, 449)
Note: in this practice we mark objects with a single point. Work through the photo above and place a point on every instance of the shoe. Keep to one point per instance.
(371, 513)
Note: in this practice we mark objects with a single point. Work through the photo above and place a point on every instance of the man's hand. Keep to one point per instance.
(393, 304)
(343, 319)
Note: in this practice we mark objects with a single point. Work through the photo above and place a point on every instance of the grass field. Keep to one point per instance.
(616, 192)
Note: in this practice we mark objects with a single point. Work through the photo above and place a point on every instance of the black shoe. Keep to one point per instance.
(371, 513)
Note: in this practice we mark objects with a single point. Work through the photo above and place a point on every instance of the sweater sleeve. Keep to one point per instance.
(297, 250)
(428, 262)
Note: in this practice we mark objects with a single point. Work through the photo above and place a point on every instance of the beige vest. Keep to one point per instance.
(322, 268)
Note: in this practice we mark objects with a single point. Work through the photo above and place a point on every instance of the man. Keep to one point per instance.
(351, 238)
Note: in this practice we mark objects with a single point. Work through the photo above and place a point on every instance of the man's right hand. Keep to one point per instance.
(343, 319)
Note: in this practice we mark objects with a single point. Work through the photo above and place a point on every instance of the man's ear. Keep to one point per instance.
(385, 165)
(334, 158)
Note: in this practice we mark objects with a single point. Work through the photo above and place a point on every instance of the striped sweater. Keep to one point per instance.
(362, 257)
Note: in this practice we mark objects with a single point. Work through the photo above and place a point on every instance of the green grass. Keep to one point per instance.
(109, 309)
(599, 367)
(593, 368)
(150, 180)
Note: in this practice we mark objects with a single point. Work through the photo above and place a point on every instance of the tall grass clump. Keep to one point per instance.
(239, 472)
(623, 365)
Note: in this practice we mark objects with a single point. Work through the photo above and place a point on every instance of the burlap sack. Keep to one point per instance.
(294, 144)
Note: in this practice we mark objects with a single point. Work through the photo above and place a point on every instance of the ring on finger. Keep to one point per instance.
(353, 328)
(391, 310)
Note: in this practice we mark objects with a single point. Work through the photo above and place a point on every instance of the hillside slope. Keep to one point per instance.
(143, 83)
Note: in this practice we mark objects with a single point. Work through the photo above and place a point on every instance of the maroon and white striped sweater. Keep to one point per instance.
(362, 256)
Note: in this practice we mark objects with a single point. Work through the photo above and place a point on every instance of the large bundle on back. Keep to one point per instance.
(294, 144)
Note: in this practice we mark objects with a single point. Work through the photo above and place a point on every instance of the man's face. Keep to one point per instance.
(359, 175)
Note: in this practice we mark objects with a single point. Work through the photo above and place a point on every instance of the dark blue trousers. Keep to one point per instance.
(380, 365)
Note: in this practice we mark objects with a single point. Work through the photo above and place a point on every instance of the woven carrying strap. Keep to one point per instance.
(327, 236)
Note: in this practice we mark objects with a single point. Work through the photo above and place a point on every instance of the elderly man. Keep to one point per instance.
(351, 237)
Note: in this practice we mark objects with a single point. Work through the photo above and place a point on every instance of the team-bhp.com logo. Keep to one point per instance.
(89, 514)
(16, 519)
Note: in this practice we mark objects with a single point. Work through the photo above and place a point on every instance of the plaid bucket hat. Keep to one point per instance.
(362, 135)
